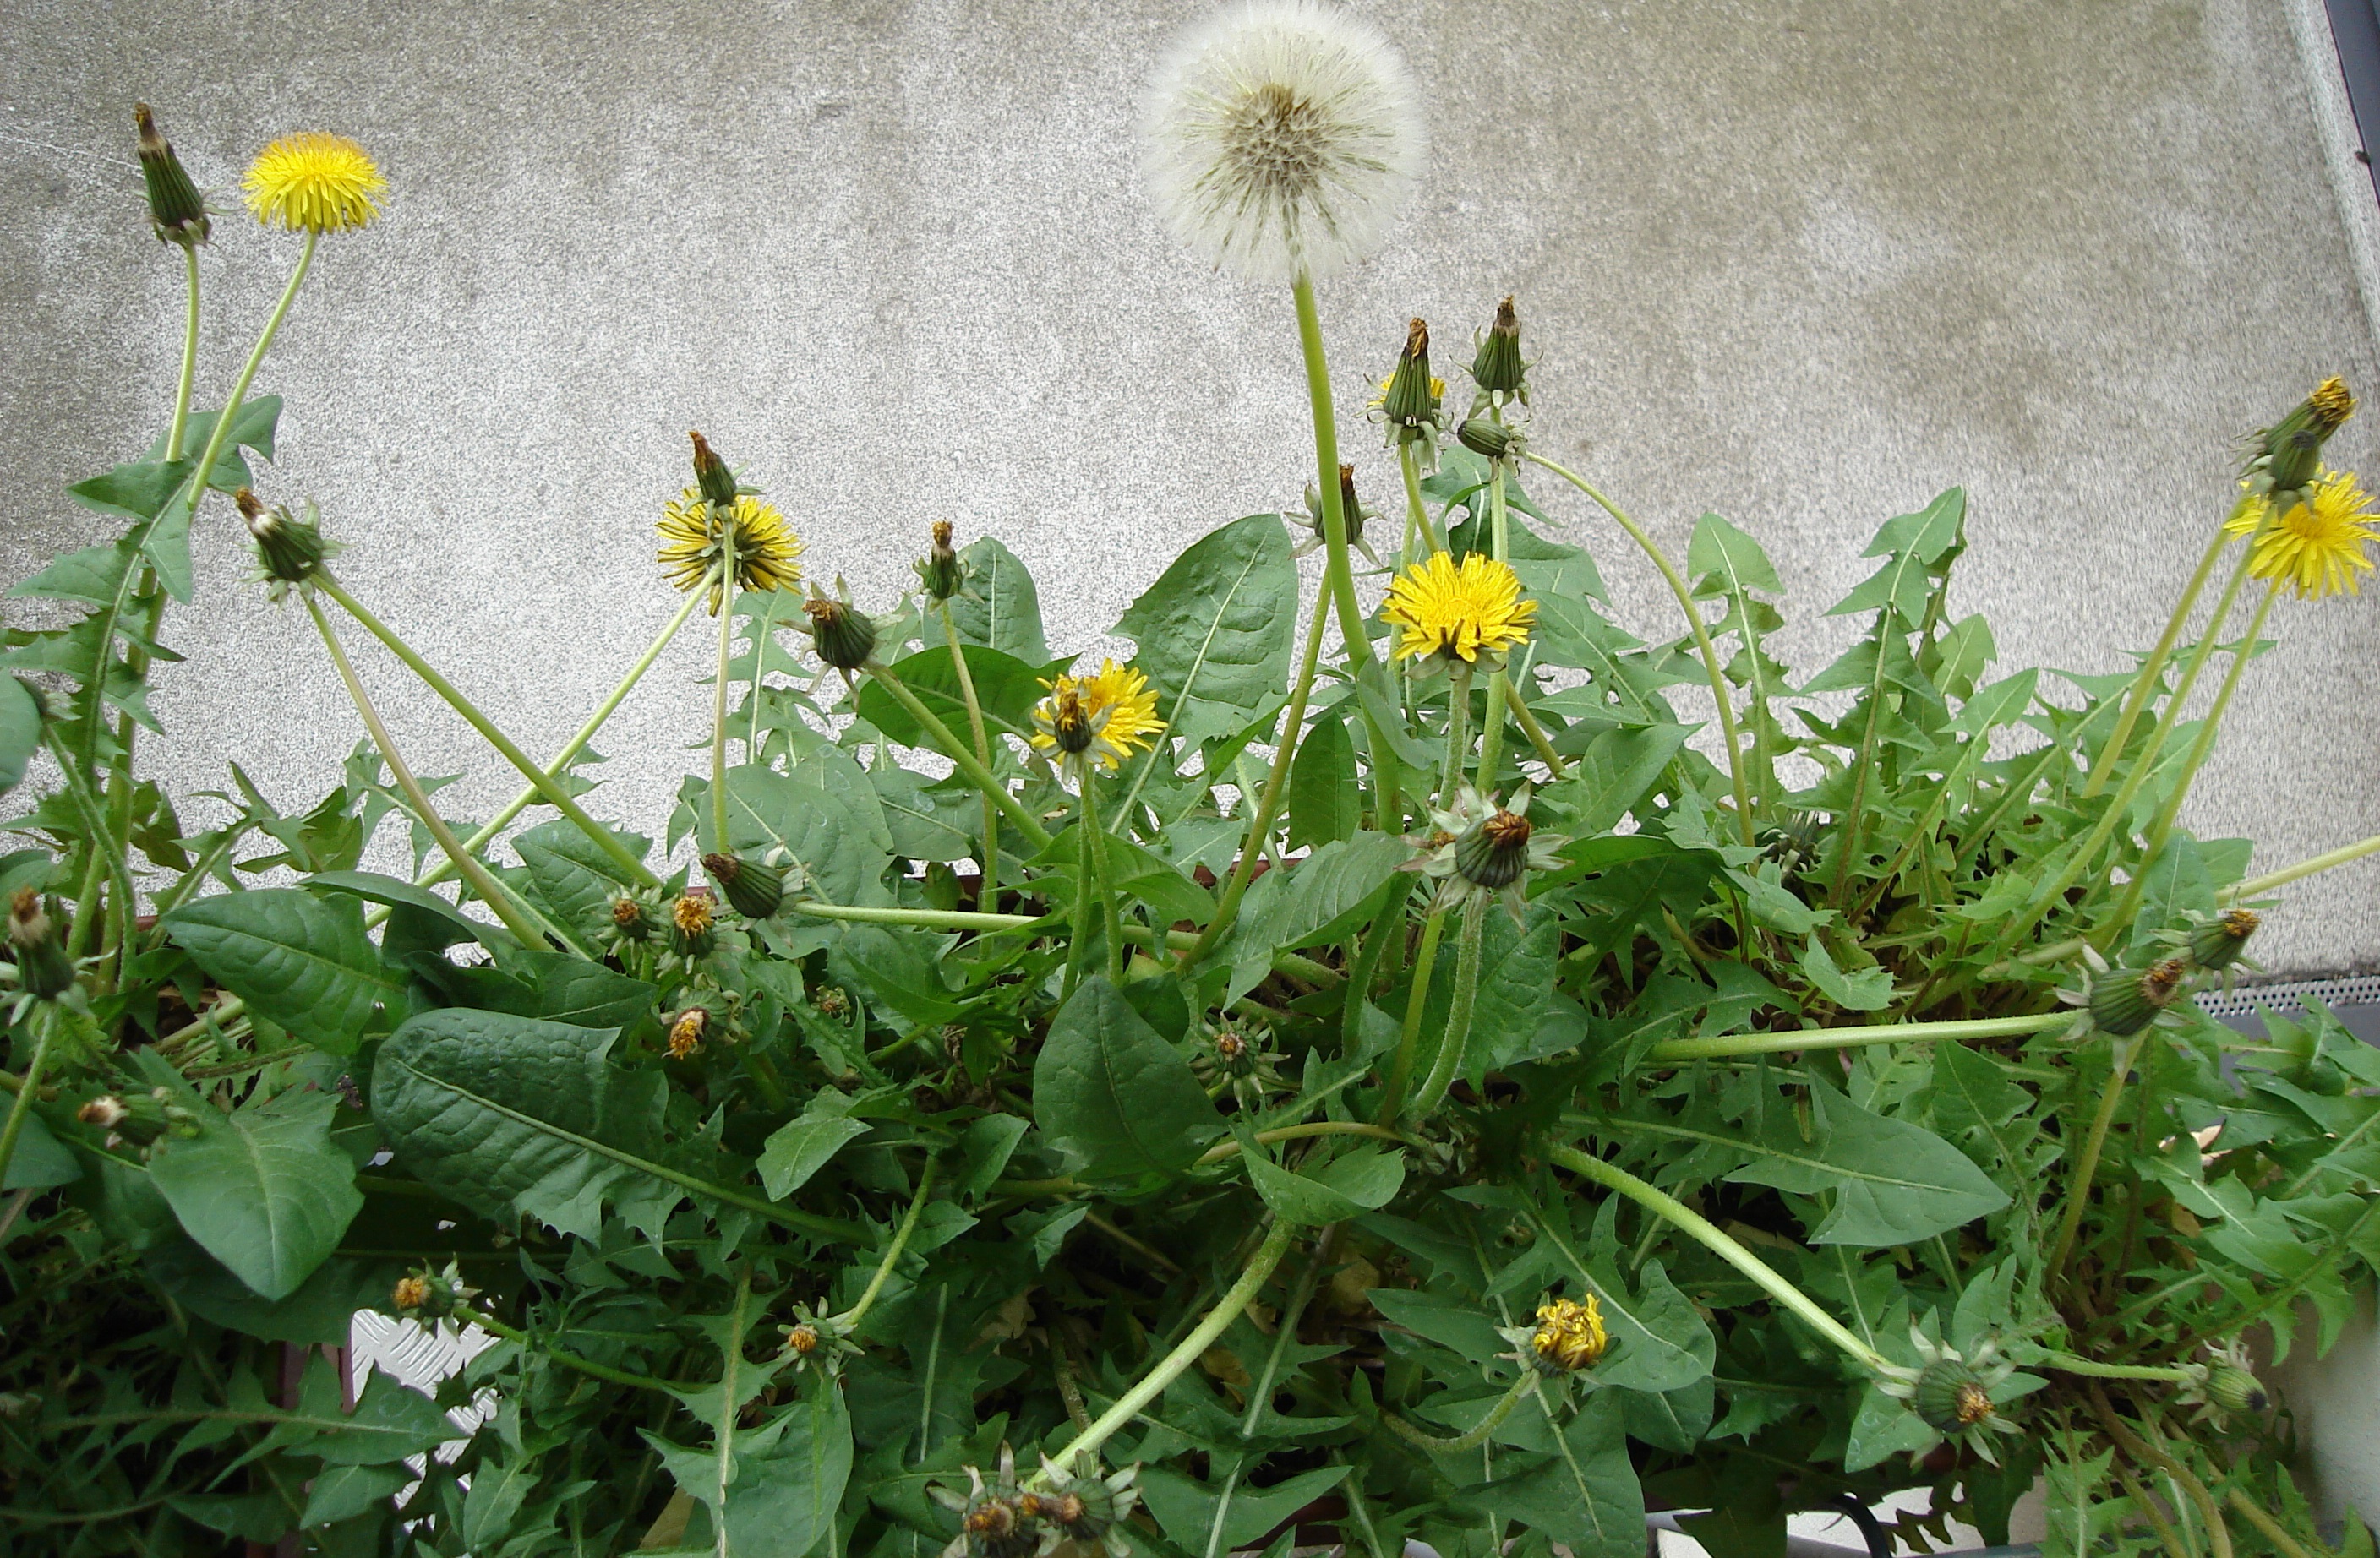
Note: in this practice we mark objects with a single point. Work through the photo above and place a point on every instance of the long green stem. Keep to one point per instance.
(230, 412)
(1674, 1051)
(2146, 1455)
(1530, 728)
(1451, 1043)
(987, 896)
(949, 746)
(2256, 887)
(2162, 828)
(1078, 944)
(1417, 508)
(574, 747)
(21, 1109)
(1711, 666)
(1708, 1234)
(1458, 732)
(1095, 841)
(761, 635)
(189, 357)
(1285, 1331)
(719, 684)
(848, 1321)
(1500, 686)
(548, 787)
(487, 886)
(1392, 1095)
(2152, 670)
(1268, 806)
(1185, 1352)
(2086, 1164)
(1479, 1432)
(1390, 926)
(2067, 1363)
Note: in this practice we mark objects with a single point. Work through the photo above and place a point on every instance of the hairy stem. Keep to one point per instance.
(21, 1107)
(2086, 1165)
(719, 682)
(1674, 1051)
(1479, 1432)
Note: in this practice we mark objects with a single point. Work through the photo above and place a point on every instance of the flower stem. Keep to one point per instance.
(2086, 1165)
(572, 748)
(2144, 685)
(1530, 728)
(189, 357)
(230, 412)
(1085, 872)
(1392, 1097)
(988, 896)
(1450, 1044)
(547, 787)
(719, 684)
(2067, 1363)
(1095, 839)
(1704, 1231)
(1390, 926)
(1479, 1431)
(514, 918)
(1417, 508)
(760, 632)
(949, 746)
(2256, 887)
(1720, 692)
(1458, 732)
(22, 1107)
(1285, 1330)
(849, 1318)
(2162, 828)
(1268, 806)
(1674, 1051)
(1190, 1349)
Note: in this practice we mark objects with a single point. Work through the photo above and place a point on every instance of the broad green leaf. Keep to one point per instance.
(296, 957)
(320, 1312)
(1726, 560)
(133, 491)
(1615, 767)
(800, 1147)
(1112, 1094)
(1516, 987)
(1186, 1510)
(263, 1189)
(574, 876)
(397, 892)
(927, 821)
(254, 427)
(1892, 1182)
(1451, 1323)
(1868, 990)
(1586, 1496)
(824, 814)
(1325, 804)
(1345, 1188)
(344, 1492)
(1005, 688)
(94, 576)
(789, 1483)
(1329, 894)
(1910, 546)
(1000, 609)
(40, 1163)
(1214, 630)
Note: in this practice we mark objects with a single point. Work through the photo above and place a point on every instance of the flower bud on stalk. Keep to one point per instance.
(753, 889)
(2296, 460)
(686, 1033)
(843, 637)
(43, 970)
(690, 931)
(712, 476)
(176, 211)
(629, 919)
(940, 571)
(289, 550)
(1491, 438)
(1498, 369)
(1952, 1395)
(2235, 1390)
(2124, 1002)
(2221, 942)
(1496, 850)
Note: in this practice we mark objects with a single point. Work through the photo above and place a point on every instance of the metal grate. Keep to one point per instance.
(2284, 996)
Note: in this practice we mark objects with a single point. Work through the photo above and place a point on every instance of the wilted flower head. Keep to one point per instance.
(1279, 137)
(314, 183)
(1480, 849)
(1569, 1334)
(1957, 1396)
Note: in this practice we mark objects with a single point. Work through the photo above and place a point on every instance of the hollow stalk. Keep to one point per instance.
(2144, 685)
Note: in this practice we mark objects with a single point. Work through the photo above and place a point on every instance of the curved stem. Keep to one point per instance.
(2086, 1165)
(189, 357)
(2256, 887)
(719, 685)
(949, 746)
(1268, 806)
(1451, 1043)
(1185, 1352)
(1530, 728)
(1285, 1330)
(22, 1107)
(486, 885)
(2067, 1363)
(987, 896)
(1392, 1095)
(1711, 667)
(2289, 1546)
(849, 1320)
(520, 1338)
(2146, 1455)
(230, 412)
(1479, 1431)
(2162, 828)
(1676, 1050)
(1704, 1231)
(549, 788)
(571, 748)
(2144, 684)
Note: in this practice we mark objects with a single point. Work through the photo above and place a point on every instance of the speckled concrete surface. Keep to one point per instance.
(1801, 263)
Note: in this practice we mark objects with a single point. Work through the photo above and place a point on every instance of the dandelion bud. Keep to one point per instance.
(411, 1293)
(1569, 1335)
(106, 1112)
(1491, 438)
(2236, 1390)
(289, 550)
(2123, 1002)
(802, 1340)
(690, 933)
(711, 477)
(1410, 403)
(842, 638)
(753, 889)
(1951, 1396)
(629, 919)
(2219, 942)
(176, 211)
(1070, 722)
(43, 970)
(1498, 369)
(1495, 851)
(940, 571)
(686, 1033)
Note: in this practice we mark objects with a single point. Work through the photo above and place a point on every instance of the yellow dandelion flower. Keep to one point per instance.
(1103, 719)
(1569, 1335)
(1452, 609)
(691, 914)
(2315, 546)
(765, 544)
(314, 183)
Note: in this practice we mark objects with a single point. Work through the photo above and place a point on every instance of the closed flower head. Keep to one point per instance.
(314, 183)
(2317, 545)
(176, 211)
(1279, 137)
(1569, 1335)
(1458, 611)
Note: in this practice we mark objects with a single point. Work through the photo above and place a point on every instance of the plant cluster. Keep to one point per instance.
(1811, 1101)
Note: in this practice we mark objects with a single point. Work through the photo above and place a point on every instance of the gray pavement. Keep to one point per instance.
(1802, 263)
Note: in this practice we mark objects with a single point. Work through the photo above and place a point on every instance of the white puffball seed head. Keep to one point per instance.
(1279, 137)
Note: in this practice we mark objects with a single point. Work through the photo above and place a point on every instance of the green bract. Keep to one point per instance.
(1144, 1127)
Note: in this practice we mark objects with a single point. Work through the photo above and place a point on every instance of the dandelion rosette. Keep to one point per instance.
(1278, 138)
(312, 182)
(1446, 611)
(2315, 546)
(696, 533)
(1098, 719)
